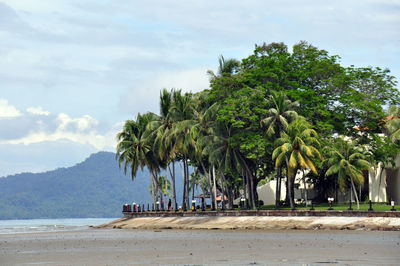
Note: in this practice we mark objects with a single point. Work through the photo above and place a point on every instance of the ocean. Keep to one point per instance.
(49, 225)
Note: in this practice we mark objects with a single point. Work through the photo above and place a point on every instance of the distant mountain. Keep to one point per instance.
(94, 188)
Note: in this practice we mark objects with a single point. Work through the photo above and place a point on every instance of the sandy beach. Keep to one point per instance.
(258, 222)
(229, 247)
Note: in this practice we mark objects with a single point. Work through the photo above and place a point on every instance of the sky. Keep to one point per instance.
(72, 71)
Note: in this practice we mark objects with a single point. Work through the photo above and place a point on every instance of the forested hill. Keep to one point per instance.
(94, 188)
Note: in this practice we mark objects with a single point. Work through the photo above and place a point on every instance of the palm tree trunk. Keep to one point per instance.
(255, 194)
(208, 179)
(173, 182)
(187, 183)
(305, 189)
(287, 199)
(210, 186)
(355, 193)
(166, 185)
(228, 192)
(250, 183)
(277, 196)
(184, 184)
(153, 190)
(245, 186)
(194, 184)
(380, 179)
(290, 184)
(292, 180)
(280, 184)
(351, 197)
(290, 195)
(223, 193)
(251, 189)
(248, 190)
(153, 193)
(161, 199)
(225, 190)
(214, 187)
(156, 186)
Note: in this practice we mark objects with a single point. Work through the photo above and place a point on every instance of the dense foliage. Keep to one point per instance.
(267, 116)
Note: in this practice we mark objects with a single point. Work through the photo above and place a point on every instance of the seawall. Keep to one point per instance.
(259, 220)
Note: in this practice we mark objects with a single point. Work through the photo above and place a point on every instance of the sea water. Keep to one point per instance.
(49, 225)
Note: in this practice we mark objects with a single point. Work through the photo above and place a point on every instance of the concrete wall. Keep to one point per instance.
(266, 192)
(377, 184)
(393, 182)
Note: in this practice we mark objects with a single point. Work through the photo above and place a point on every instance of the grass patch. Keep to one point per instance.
(338, 207)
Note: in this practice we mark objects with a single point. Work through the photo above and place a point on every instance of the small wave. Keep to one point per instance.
(48, 225)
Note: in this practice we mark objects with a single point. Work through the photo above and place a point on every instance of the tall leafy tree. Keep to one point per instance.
(334, 98)
(242, 110)
(393, 123)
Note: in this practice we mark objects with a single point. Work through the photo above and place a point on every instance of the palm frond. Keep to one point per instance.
(334, 169)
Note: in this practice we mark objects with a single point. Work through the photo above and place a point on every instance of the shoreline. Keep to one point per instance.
(256, 223)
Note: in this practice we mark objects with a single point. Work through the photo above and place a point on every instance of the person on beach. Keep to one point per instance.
(169, 204)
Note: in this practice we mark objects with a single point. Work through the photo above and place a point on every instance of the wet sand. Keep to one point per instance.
(229, 247)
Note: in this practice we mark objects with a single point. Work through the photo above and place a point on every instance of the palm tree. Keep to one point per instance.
(182, 116)
(165, 145)
(277, 120)
(134, 149)
(346, 160)
(297, 149)
(201, 131)
(163, 190)
(225, 67)
(280, 114)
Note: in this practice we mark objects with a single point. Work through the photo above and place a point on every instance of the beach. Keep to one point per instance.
(257, 222)
(230, 247)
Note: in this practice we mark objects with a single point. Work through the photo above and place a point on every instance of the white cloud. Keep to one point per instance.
(79, 130)
(37, 111)
(80, 124)
(38, 126)
(7, 110)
